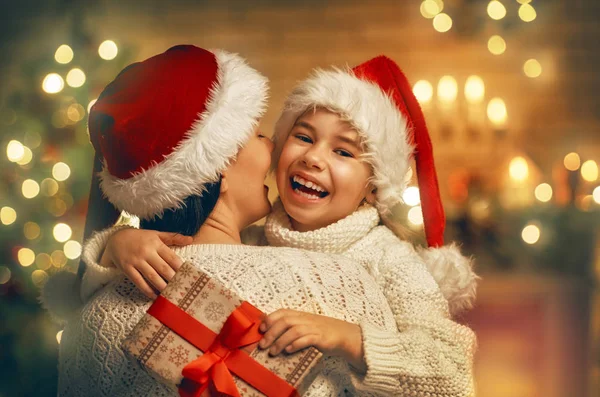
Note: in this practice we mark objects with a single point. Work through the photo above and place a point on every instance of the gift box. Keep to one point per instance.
(202, 337)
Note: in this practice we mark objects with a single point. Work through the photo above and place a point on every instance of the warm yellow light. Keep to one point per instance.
(496, 111)
(57, 207)
(496, 10)
(543, 192)
(39, 278)
(532, 68)
(61, 171)
(8, 215)
(72, 249)
(527, 13)
(589, 171)
(53, 83)
(447, 89)
(49, 187)
(442, 22)
(585, 203)
(415, 216)
(75, 112)
(43, 261)
(64, 54)
(108, 50)
(423, 91)
(429, 9)
(92, 102)
(518, 169)
(27, 156)
(59, 259)
(572, 161)
(523, 1)
(15, 151)
(474, 89)
(75, 77)
(30, 188)
(531, 234)
(4, 275)
(596, 194)
(59, 336)
(496, 45)
(26, 257)
(62, 232)
(31, 230)
(411, 196)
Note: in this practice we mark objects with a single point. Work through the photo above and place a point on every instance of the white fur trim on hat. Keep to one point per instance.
(454, 274)
(235, 105)
(367, 108)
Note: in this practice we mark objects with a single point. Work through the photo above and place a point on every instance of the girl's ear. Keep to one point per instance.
(224, 183)
(371, 194)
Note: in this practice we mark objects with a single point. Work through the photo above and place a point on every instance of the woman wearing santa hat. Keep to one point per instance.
(181, 150)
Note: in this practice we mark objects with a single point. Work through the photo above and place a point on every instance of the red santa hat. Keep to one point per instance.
(376, 98)
(167, 126)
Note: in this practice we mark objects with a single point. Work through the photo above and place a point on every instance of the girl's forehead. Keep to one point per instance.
(326, 121)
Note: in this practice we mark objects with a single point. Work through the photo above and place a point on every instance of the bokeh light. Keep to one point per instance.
(5, 274)
(415, 216)
(62, 232)
(496, 45)
(474, 89)
(543, 192)
(496, 111)
(527, 13)
(30, 188)
(532, 68)
(572, 161)
(496, 10)
(423, 91)
(75, 78)
(53, 83)
(59, 259)
(589, 171)
(108, 50)
(26, 257)
(411, 196)
(15, 151)
(442, 22)
(49, 187)
(43, 261)
(72, 249)
(531, 234)
(8, 215)
(518, 169)
(447, 89)
(64, 54)
(39, 278)
(61, 171)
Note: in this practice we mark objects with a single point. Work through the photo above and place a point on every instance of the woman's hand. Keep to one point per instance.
(291, 330)
(144, 257)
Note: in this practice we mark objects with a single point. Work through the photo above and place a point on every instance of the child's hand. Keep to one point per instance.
(144, 257)
(291, 330)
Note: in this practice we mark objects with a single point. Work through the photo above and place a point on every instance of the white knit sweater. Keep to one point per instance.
(92, 362)
(428, 354)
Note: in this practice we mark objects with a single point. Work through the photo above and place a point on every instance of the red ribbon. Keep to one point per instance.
(222, 354)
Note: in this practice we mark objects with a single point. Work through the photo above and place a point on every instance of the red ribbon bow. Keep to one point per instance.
(222, 354)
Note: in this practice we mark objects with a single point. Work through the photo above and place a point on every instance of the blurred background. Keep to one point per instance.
(510, 90)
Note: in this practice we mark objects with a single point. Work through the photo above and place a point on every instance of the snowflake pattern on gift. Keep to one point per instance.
(170, 338)
(204, 295)
(185, 271)
(214, 311)
(163, 347)
(210, 286)
(144, 324)
(226, 293)
(179, 355)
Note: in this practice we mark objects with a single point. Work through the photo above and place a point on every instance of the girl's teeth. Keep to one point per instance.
(309, 184)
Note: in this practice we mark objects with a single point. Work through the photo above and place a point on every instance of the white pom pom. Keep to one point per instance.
(60, 295)
(454, 274)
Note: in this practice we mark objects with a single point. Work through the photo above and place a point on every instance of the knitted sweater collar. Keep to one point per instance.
(335, 238)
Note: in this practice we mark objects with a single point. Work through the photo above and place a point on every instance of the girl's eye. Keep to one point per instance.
(343, 153)
(261, 136)
(304, 138)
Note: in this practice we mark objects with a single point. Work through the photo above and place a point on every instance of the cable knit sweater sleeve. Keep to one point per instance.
(429, 355)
